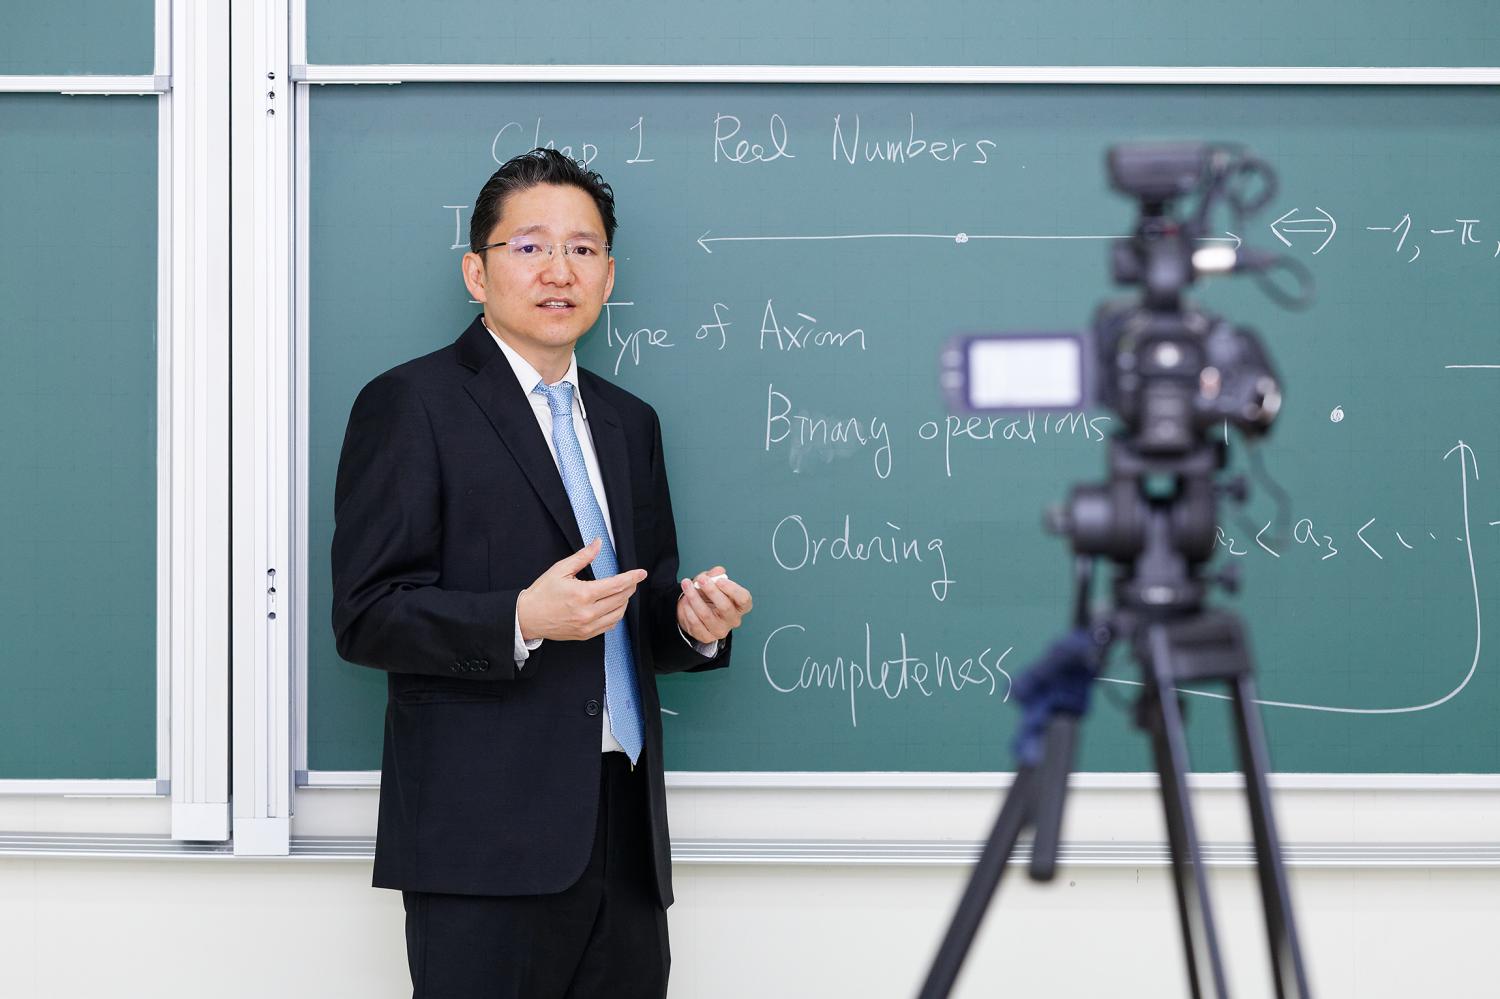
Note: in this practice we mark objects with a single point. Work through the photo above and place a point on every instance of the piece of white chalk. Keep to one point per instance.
(719, 577)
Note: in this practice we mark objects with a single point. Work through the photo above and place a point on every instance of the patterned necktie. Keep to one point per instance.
(619, 662)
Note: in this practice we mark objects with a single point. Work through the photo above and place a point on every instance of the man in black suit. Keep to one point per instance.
(504, 549)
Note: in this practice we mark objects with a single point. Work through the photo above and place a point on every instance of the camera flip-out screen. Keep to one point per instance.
(1015, 371)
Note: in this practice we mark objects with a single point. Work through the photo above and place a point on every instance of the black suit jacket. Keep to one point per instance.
(448, 502)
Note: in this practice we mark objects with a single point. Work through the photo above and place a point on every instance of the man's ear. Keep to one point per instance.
(472, 266)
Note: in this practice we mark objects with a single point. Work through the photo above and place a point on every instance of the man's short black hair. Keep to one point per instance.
(520, 173)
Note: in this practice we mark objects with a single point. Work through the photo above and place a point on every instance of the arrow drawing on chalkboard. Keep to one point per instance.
(1467, 464)
(1228, 237)
(952, 237)
(1280, 226)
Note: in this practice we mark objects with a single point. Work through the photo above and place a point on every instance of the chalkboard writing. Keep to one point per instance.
(790, 260)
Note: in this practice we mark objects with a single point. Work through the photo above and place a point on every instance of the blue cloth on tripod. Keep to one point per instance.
(1057, 683)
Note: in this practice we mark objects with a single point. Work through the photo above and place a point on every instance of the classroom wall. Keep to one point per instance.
(314, 928)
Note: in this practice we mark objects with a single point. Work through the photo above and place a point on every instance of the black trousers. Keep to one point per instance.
(605, 936)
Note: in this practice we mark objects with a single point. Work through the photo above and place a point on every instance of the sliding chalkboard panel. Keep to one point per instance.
(100, 37)
(78, 412)
(790, 260)
(856, 32)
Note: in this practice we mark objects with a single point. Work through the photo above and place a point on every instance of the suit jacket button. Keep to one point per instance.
(591, 708)
(484, 664)
(456, 667)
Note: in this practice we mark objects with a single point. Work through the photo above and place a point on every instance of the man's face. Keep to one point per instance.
(538, 304)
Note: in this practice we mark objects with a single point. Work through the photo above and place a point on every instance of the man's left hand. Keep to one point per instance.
(712, 606)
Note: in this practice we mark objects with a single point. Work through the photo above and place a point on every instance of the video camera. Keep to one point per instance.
(1170, 371)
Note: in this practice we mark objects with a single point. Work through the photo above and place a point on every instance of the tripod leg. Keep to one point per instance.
(1199, 940)
(981, 888)
(1052, 790)
(1183, 876)
(1286, 954)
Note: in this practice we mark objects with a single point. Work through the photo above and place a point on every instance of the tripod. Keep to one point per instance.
(1175, 640)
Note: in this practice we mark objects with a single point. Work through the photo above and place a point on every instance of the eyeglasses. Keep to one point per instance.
(531, 252)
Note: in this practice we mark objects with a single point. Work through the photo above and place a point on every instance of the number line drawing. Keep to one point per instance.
(952, 237)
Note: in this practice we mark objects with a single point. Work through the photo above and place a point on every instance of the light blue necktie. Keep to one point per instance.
(619, 662)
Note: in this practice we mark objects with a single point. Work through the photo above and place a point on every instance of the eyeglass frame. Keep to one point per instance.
(604, 250)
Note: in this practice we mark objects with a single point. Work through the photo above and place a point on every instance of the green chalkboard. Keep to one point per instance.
(793, 453)
(78, 412)
(889, 33)
(100, 37)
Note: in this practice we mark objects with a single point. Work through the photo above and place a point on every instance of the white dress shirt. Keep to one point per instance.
(529, 378)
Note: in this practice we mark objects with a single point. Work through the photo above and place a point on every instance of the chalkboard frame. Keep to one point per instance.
(394, 75)
(308, 76)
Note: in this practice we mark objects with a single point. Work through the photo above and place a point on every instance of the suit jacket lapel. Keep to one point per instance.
(495, 389)
(614, 466)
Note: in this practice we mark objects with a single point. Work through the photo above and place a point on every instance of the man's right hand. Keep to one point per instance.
(559, 606)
